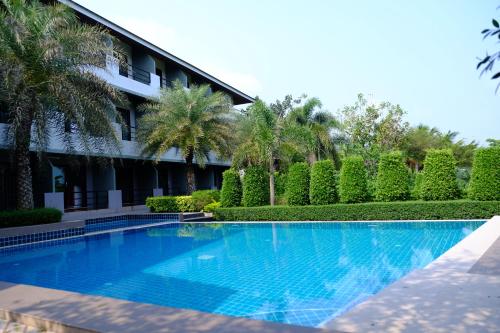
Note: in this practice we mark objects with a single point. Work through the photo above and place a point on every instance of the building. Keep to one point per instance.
(75, 183)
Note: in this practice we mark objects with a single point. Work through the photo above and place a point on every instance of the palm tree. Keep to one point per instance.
(321, 124)
(46, 81)
(192, 120)
(267, 137)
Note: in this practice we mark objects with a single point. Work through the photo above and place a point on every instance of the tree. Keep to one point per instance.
(493, 142)
(487, 63)
(267, 138)
(46, 81)
(392, 178)
(193, 121)
(321, 124)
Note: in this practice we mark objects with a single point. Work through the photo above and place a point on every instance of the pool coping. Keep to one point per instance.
(69, 312)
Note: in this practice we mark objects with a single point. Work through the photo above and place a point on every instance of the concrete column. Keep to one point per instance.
(170, 180)
(54, 200)
(115, 199)
(211, 178)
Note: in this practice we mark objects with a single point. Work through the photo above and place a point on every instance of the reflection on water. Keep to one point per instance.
(295, 273)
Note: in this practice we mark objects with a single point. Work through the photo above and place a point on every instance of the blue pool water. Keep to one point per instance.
(301, 273)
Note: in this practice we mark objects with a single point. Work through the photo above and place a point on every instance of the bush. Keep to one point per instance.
(255, 187)
(211, 207)
(170, 204)
(19, 218)
(297, 184)
(440, 179)
(230, 194)
(280, 179)
(353, 183)
(392, 178)
(485, 178)
(204, 197)
(185, 203)
(323, 188)
(416, 192)
(403, 210)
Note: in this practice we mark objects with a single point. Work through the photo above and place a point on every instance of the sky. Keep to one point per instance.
(421, 54)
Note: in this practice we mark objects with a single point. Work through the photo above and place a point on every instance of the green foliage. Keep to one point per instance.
(19, 218)
(323, 188)
(185, 203)
(404, 210)
(297, 185)
(211, 207)
(204, 197)
(485, 179)
(353, 180)
(440, 180)
(280, 179)
(416, 192)
(230, 194)
(170, 204)
(255, 187)
(392, 178)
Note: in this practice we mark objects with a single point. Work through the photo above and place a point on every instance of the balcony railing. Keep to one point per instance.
(136, 73)
(85, 200)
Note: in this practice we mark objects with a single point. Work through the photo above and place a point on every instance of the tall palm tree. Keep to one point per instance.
(267, 137)
(191, 120)
(321, 124)
(46, 81)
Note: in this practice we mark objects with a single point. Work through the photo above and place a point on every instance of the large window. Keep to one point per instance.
(126, 131)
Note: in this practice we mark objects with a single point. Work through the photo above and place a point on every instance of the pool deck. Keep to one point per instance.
(458, 292)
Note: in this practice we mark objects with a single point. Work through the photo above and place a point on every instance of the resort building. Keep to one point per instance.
(125, 178)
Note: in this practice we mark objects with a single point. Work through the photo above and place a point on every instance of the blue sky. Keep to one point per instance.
(419, 54)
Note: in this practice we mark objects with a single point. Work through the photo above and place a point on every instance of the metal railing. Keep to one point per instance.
(164, 83)
(135, 197)
(85, 200)
(136, 73)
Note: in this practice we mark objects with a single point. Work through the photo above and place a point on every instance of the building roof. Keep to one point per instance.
(238, 96)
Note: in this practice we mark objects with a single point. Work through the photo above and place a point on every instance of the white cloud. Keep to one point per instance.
(152, 31)
(245, 82)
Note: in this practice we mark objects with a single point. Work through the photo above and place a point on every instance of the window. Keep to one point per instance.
(126, 133)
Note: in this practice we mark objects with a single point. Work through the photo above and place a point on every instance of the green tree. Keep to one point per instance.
(392, 178)
(323, 188)
(266, 138)
(493, 142)
(353, 185)
(194, 121)
(46, 81)
(440, 180)
(487, 63)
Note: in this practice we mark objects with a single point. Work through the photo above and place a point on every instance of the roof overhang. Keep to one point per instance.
(237, 96)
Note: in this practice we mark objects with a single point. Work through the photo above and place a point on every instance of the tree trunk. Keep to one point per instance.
(190, 177)
(271, 183)
(24, 182)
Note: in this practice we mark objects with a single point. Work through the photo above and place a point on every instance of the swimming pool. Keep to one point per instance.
(300, 273)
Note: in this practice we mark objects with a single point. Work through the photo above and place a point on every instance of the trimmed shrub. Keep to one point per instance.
(211, 207)
(392, 178)
(255, 187)
(280, 179)
(353, 183)
(297, 184)
(440, 179)
(485, 179)
(204, 197)
(19, 218)
(402, 210)
(163, 204)
(323, 188)
(230, 194)
(416, 192)
(185, 203)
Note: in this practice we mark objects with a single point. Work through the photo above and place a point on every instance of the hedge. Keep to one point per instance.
(416, 192)
(353, 180)
(297, 184)
(323, 187)
(255, 187)
(485, 179)
(440, 179)
(202, 198)
(400, 210)
(392, 178)
(230, 193)
(19, 218)
(170, 204)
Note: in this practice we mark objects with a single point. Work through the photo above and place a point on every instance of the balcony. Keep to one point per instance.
(129, 78)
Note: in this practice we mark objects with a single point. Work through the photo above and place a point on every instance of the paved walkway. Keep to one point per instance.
(459, 292)
(7, 326)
